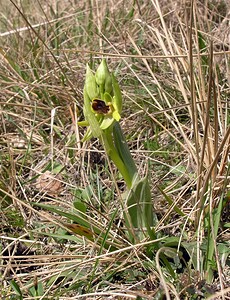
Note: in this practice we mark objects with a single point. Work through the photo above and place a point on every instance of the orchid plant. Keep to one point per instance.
(102, 111)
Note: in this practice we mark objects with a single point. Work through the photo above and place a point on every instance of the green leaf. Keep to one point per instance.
(16, 288)
(80, 206)
(70, 216)
(81, 225)
(60, 237)
(211, 239)
(36, 290)
(139, 204)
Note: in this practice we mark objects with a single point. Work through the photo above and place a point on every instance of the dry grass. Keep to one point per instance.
(174, 73)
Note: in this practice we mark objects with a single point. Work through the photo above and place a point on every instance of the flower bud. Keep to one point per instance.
(103, 78)
(91, 87)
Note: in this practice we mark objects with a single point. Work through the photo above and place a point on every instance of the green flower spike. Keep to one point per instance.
(102, 100)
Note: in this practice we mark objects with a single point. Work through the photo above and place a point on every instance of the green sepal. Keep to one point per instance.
(90, 116)
(107, 98)
(117, 98)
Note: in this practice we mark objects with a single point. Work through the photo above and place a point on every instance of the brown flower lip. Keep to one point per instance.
(100, 107)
